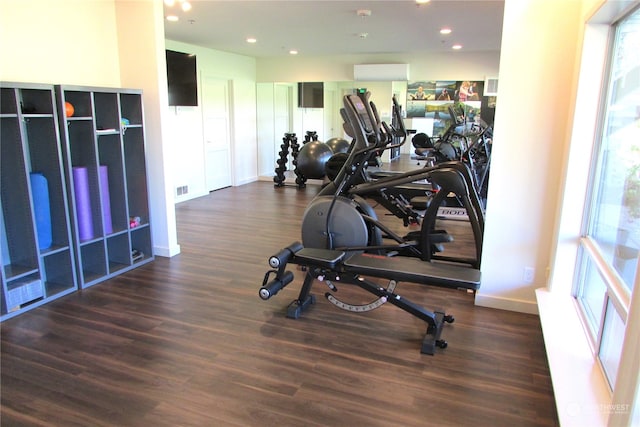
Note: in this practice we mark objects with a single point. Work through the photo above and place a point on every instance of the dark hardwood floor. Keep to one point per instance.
(187, 341)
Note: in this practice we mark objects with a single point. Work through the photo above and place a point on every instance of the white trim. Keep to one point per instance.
(580, 388)
(246, 180)
(509, 304)
(627, 386)
(166, 252)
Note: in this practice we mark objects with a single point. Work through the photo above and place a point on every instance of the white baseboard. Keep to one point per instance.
(529, 307)
(247, 180)
(165, 251)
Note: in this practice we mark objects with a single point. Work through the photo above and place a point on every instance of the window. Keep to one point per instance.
(609, 251)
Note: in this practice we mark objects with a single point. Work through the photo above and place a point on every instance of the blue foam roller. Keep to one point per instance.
(42, 209)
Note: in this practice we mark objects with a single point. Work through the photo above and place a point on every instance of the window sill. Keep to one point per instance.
(581, 391)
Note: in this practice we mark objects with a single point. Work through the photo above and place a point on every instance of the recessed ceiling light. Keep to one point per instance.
(172, 18)
(169, 2)
(445, 30)
(456, 47)
(186, 6)
(422, 1)
(251, 40)
(293, 52)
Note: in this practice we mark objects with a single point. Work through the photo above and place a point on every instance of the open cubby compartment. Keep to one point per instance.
(37, 101)
(131, 108)
(81, 102)
(15, 202)
(141, 242)
(118, 252)
(59, 273)
(23, 291)
(112, 190)
(136, 172)
(93, 261)
(107, 111)
(8, 103)
(83, 155)
(81, 142)
(45, 158)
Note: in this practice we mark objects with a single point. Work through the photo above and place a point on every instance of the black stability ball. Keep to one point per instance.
(338, 145)
(312, 158)
(334, 164)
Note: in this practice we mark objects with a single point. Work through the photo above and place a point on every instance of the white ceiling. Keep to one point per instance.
(333, 27)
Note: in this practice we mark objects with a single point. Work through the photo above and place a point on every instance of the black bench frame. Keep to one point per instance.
(336, 266)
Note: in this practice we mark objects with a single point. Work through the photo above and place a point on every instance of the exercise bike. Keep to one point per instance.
(340, 234)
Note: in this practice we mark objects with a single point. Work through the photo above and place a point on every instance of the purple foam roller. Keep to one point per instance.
(83, 203)
(106, 200)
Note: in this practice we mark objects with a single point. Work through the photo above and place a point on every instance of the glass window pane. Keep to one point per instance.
(615, 219)
(611, 345)
(592, 295)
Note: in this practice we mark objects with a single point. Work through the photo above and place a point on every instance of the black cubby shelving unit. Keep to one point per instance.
(105, 137)
(36, 247)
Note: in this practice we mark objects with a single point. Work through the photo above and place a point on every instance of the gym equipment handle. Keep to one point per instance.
(282, 257)
(273, 287)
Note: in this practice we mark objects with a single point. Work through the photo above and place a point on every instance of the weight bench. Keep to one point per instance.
(331, 266)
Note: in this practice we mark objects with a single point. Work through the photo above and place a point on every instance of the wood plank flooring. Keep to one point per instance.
(187, 341)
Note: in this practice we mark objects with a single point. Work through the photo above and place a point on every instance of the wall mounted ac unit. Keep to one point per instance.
(381, 72)
(490, 86)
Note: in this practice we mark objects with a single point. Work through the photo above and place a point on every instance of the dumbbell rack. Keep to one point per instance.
(289, 141)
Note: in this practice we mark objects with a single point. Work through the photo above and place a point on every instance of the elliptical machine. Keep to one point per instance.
(352, 185)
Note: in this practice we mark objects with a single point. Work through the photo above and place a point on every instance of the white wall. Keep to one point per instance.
(443, 66)
(266, 128)
(245, 153)
(104, 44)
(185, 140)
(143, 65)
(59, 42)
(531, 129)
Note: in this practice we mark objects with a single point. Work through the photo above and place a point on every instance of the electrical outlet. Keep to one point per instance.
(528, 274)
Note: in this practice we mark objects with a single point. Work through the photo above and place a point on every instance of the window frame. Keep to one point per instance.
(616, 291)
(583, 395)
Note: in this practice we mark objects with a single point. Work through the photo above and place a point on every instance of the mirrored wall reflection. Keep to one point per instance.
(426, 106)
(279, 113)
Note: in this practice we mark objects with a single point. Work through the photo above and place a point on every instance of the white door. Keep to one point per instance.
(217, 144)
(331, 129)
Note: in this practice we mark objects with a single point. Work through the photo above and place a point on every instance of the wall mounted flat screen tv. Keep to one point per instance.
(182, 79)
(311, 95)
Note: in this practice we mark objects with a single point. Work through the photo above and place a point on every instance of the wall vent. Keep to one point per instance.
(182, 190)
(490, 86)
